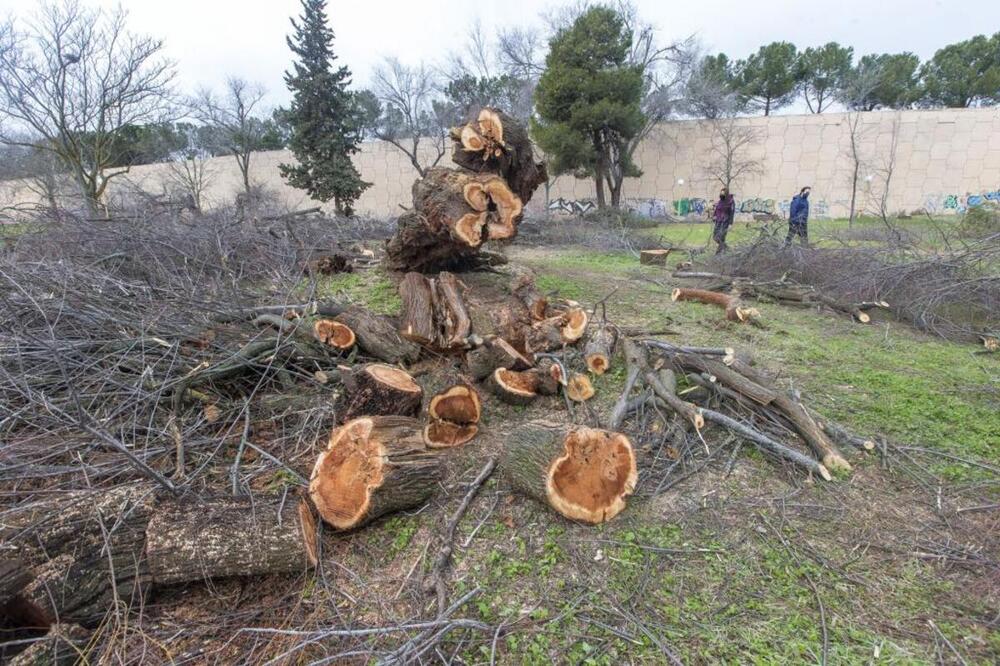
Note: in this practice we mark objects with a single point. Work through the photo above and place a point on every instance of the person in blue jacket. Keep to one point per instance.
(798, 218)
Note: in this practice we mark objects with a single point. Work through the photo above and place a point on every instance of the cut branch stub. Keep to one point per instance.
(373, 466)
(453, 415)
(333, 334)
(579, 388)
(377, 389)
(377, 336)
(525, 290)
(582, 473)
(495, 353)
(575, 321)
(497, 143)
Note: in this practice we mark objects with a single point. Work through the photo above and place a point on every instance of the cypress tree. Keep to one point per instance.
(325, 122)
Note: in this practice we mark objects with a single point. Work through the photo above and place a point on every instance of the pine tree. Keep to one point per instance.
(325, 120)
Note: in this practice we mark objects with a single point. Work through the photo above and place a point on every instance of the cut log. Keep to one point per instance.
(378, 336)
(599, 348)
(497, 143)
(582, 473)
(222, 537)
(419, 245)
(728, 375)
(452, 417)
(377, 389)
(333, 334)
(459, 404)
(512, 322)
(575, 322)
(434, 313)
(578, 388)
(417, 320)
(856, 312)
(373, 466)
(545, 335)
(514, 388)
(654, 257)
(734, 308)
(495, 353)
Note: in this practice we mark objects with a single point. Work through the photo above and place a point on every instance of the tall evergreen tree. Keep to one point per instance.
(767, 79)
(325, 119)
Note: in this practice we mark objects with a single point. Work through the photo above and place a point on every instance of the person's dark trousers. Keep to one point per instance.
(799, 229)
(719, 235)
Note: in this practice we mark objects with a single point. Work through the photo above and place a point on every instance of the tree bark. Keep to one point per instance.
(599, 348)
(189, 540)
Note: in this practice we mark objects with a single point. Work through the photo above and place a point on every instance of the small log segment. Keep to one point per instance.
(654, 257)
(226, 536)
(377, 335)
(734, 308)
(578, 387)
(452, 417)
(434, 313)
(521, 388)
(377, 389)
(524, 289)
(494, 353)
(373, 466)
(582, 473)
(333, 334)
(496, 143)
(599, 348)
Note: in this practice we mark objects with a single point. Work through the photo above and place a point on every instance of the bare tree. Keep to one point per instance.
(880, 181)
(190, 171)
(853, 95)
(76, 79)
(730, 156)
(236, 120)
(411, 113)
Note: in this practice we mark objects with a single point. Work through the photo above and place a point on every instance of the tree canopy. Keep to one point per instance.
(588, 100)
(325, 118)
(767, 79)
(823, 73)
(964, 74)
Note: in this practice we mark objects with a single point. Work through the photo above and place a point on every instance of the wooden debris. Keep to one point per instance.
(453, 415)
(377, 389)
(654, 257)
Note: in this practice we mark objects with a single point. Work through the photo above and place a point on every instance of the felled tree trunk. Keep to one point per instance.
(734, 308)
(373, 466)
(377, 390)
(434, 313)
(581, 473)
(522, 387)
(378, 337)
(221, 537)
(496, 143)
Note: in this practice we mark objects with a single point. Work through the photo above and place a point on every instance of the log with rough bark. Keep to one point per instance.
(373, 466)
(512, 322)
(434, 313)
(654, 257)
(495, 353)
(62, 645)
(734, 308)
(190, 540)
(582, 473)
(524, 289)
(599, 348)
(377, 389)
(496, 143)
(452, 417)
(378, 336)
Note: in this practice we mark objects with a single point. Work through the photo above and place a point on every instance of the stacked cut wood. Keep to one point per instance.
(456, 210)
(730, 292)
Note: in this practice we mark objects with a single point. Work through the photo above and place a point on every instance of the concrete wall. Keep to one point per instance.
(945, 160)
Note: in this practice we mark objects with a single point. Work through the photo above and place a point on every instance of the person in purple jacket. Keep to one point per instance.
(725, 211)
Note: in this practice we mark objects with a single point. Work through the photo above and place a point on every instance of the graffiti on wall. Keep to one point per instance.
(651, 208)
(686, 206)
(696, 207)
(571, 206)
(959, 203)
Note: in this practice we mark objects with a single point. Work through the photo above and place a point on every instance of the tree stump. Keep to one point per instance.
(654, 257)
(377, 389)
(373, 466)
(581, 473)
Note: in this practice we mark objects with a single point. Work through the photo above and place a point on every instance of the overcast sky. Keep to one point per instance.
(211, 39)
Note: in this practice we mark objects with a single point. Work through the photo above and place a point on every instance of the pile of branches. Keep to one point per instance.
(954, 294)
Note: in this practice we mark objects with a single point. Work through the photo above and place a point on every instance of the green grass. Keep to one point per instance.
(372, 288)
